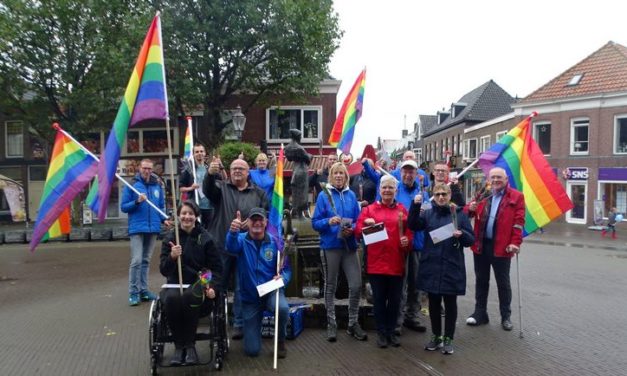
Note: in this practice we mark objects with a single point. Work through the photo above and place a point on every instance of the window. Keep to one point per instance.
(575, 79)
(307, 119)
(620, 134)
(542, 135)
(149, 141)
(418, 152)
(470, 148)
(14, 140)
(579, 136)
(499, 135)
(91, 141)
(484, 144)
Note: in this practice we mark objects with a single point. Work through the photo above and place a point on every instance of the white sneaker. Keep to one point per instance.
(471, 321)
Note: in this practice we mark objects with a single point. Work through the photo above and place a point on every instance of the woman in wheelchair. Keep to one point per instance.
(198, 253)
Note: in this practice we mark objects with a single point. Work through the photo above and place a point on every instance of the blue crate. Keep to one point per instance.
(294, 322)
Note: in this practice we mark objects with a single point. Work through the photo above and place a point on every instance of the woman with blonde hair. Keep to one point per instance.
(261, 176)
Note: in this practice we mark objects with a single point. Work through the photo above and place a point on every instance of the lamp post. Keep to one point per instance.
(239, 121)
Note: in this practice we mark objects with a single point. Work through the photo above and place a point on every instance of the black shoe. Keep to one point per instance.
(191, 356)
(331, 332)
(238, 333)
(394, 341)
(507, 324)
(477, 319)
(178, 357)
(382, 340)
(357, 332)
(397, 331)
(415, 326)
(281, 351)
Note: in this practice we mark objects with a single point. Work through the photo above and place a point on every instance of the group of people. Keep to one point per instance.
(223, 224)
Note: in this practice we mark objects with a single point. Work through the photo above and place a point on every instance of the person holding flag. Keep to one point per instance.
(257, 257)
(190, 186)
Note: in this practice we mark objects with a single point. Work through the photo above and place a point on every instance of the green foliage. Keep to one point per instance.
(230, 151)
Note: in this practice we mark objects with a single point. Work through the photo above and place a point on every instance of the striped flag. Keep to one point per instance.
(70, 171)
(275, 220)
(145, 98)
(529, 172)
(188, 150)
(344, 126)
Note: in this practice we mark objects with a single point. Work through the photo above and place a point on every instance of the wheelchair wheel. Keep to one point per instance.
(154, 332)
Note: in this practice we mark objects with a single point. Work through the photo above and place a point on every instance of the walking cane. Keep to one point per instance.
(519, 297)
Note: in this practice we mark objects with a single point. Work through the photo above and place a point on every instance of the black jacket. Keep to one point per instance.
(199, 252)
(368, 187)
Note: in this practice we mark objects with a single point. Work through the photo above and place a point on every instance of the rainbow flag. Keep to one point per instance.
(529, 172)
(344, 127)
(145, 98)
(189, 141)
(70, 171)
(275, 219)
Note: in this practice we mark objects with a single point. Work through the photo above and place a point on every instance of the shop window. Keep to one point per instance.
(14, 139)
(579, 136)
(614, 195)
(620, 135)
(307, 119)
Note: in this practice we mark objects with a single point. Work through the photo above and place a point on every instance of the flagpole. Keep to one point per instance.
(468, 168)
(192, 159)
(129, 185)
(520, 320)
(276, 311)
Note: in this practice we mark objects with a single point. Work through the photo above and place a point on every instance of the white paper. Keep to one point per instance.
(173, 286)
(375, 237)
(442, 233)
(271, 285)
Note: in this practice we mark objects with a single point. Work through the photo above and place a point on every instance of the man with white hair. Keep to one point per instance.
(422, 178)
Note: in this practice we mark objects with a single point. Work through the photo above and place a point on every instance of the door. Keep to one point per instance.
(577, 193)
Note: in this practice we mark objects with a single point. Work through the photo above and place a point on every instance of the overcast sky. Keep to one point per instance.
(423, 55)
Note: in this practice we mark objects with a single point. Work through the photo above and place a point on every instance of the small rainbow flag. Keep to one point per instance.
(275, 220)
(189, 141)
(70, 171)
(529, 172)
(344, 127)
(145, 98)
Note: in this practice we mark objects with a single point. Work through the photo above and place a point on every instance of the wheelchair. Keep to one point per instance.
(212, 327)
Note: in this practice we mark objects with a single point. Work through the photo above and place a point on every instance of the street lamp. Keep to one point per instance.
(239, 121)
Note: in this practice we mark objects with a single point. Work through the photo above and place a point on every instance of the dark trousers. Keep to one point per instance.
(229, 270)
(205, 217)
(386, 293)
(183, 311)
(501, 266)
(435, 314)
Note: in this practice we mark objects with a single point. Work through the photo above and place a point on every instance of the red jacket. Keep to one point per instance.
(508, 226)
(386, 257)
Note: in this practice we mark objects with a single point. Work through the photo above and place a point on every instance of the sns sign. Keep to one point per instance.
(576, 173)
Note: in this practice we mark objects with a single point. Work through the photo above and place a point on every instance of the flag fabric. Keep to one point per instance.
(275, 219)
(145, 98)
(529, 172)
(344, 126)
(189, 141)
(71, 169)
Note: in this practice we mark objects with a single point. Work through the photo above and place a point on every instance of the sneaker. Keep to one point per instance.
(394, 341)
(382, 340)
(434, 344)
(147, 296)
(281, 350)
(357, 332)
(178, 358)
(133, 300)
(507, 324)
(191, 356)
(331, 332)
(477, 319)
(237, 334)
(414, 325)
(447, 349)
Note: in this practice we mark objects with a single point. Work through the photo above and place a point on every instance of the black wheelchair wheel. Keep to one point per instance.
(155, 345)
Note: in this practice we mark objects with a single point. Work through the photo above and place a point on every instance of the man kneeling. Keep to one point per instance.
(257, 254)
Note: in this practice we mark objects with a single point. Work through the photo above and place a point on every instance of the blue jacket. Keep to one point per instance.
(397, 174)
(263, 179)
(255, 265)
(142, 218)
(442, 268)
(346, 206)
(405, 196)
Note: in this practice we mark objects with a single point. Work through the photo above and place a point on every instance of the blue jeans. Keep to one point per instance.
(142, 246)
(252, 313)
(229, 267)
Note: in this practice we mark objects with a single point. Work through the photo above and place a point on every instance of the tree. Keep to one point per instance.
(215, 49)
(68, 60)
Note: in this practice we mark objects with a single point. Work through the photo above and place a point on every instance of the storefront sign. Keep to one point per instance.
(612, 173)
(575, 173)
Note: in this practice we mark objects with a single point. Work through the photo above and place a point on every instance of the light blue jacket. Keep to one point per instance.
(143, 218)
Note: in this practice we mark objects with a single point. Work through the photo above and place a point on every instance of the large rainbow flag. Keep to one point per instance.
(275, 220)
(529, 172)
(145, 98)
(344, 127)
(189, 141)
(70, 171)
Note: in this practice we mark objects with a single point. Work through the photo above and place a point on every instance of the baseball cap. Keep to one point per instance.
(257, 212)
(409, 163)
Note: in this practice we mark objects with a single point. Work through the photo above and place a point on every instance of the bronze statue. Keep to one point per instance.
(296, 153)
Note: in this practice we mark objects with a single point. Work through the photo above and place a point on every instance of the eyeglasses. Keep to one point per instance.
(147, 168)
(443, 194)
(439, 170)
